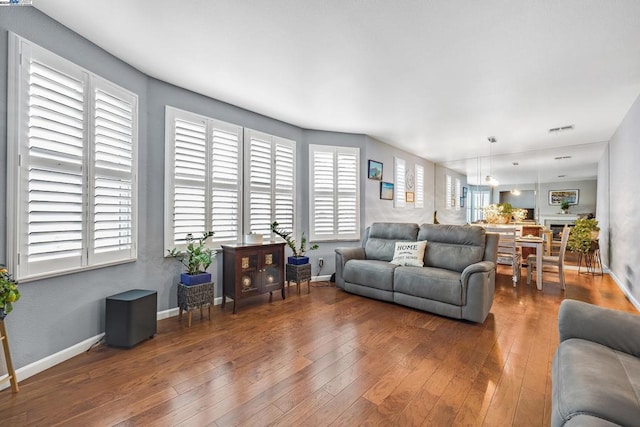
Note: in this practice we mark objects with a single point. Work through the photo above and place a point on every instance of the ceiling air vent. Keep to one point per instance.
(562, 129)
(561, 157)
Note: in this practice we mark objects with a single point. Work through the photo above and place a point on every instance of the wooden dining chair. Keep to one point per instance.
(508, 253)
(551, 261)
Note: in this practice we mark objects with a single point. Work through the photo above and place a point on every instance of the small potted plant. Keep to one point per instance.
(298, 257)
(564, 206)
(196, 258)
(8, 292)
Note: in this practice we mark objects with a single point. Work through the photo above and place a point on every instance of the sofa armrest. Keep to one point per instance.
(478, 267)
(342, 256)
(615, 329)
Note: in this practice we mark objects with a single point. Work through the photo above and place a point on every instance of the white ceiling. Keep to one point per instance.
(435, 78)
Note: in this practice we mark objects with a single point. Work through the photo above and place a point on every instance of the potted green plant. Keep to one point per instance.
(197, 257)
(8, 292)
(582, 235)
(564, 206)
(298, 257)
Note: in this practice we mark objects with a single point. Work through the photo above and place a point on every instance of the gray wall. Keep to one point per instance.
(586, 197)
(383, 210)
(624, 202)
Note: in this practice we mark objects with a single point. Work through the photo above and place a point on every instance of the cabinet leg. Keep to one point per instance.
(180, 315)
(189, 317)
(270, 296)
(210, 307)
(234, 306)
(283, 297)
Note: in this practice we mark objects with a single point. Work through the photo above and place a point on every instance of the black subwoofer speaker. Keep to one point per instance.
(131, 317)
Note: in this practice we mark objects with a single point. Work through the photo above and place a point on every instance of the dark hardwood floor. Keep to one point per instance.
(325, 358)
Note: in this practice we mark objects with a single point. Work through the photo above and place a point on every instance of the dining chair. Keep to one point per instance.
(551, 261)
(508, 253)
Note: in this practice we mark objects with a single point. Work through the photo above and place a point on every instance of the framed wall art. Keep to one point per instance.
(556, 197)
(386, 190)
(375, 170)
(409, 197)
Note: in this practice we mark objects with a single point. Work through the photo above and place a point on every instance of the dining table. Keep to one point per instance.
(537, 243)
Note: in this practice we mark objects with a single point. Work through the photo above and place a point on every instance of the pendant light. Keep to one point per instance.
(490, 179)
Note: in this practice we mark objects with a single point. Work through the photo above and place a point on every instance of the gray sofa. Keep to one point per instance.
(596, 368)
(457, 280)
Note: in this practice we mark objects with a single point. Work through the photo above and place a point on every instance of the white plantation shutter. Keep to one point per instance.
(226, 168)
(322, 182)
(399, 172)
(334, 211)
(188, 168)
(269, 182)
(348, 217)
(72, 161)
(114, 198)
(285, 155)
(456, 201)
(448, 192)
(419, 197)
(260, 198)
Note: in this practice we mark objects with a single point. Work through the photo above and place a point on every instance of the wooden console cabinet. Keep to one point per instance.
(252, 269)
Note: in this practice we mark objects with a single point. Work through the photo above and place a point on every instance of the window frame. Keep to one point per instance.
(21, 50)
(335, 236)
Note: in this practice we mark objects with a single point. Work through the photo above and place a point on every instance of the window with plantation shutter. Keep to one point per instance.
(72, 153)
(203, 169)
(449, 192)
(419, 199)
(456, 201)
(399, 172)
(269, 182)
(334, 208)
(226, 170)
(113, 178)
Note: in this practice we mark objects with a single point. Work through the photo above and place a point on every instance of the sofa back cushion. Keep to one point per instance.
(382, 238)
(453, 247)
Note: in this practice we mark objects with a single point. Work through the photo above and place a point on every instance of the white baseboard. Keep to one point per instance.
(626, 291)
(54, 359)
(323, 278)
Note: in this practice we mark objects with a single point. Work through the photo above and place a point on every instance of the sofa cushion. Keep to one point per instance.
(452, 247)
(429, 282)
(383, 236)
(409, 253)
(372, 273)
(592, 379)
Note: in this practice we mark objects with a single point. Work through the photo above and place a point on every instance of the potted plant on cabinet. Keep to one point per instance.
(8, 292)
(196, 258)
(564, 206)
(298, 257)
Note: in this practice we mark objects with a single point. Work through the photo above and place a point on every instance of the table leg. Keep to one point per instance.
(210, 307)
(180, 315)
(539, 255)
(189, 317)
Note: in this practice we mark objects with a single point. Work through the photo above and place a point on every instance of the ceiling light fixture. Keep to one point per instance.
(490, 179)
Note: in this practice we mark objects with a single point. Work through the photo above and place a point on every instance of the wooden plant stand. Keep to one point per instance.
(11, 374)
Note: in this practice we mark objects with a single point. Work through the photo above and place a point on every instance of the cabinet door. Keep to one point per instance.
(271, 268)
(249, 277)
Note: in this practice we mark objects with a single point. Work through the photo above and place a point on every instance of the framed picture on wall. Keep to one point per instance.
(556, 197)
(386, 190)
(375, 170)
(409, 197)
